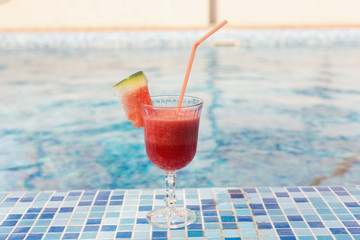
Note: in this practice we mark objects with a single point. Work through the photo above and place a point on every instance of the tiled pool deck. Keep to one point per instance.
(222, 213)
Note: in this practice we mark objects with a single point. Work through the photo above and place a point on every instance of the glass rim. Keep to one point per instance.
(176, 107)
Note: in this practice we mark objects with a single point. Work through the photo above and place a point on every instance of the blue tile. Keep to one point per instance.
(57, 229)
(271, 206)
(30, 216)
(281, 225)
(50, 210)
(295, 218)
(316, 224)
(71, 236)
(308, 189)
(282, 194)
(293, 189)
(195, 234)
(3, 236)
(209, 213)
(227, 219)
(352, 204)
(237, 195)
(116, 203)
(57, 198)
(118, 197)
(211, 219)
(208, 207)
(91, 228)
(35, 236)
(264, 225)
(145, 208)
(47, 216)
(108, 228)
(256, 206)
(244, 219)
(300, 200)
(16, 236)
(249, 190)
(66, 209)
(34, 210)
(193, 207)
(195, 226)
(229, 226)
(21, 230)
(14, 216)
(85, 203)
(159, 234)
(208, 201)
(8, 223)
(284, 231)
(74, 194)
(338, 231)
(141, 221)
(287, 238)
(354, 230)
(11, 199)
(93, 221)
(269, 200)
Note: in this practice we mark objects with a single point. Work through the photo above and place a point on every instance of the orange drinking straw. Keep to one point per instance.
(196, 44)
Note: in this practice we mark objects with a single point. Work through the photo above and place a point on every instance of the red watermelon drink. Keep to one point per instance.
(171, 134)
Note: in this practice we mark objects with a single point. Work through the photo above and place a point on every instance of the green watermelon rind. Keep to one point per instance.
(132, 82)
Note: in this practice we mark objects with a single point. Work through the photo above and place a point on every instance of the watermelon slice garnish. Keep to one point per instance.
(132, 91)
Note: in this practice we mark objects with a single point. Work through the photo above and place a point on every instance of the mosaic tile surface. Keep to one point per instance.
(222, 213)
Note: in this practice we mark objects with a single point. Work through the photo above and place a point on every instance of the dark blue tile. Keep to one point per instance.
(117, 197)
(123, 235)
(57, 198)
(30, 216)
(100, 203)
(57, 229)
(300, 200)
(47, 216)
(287, 238)
(282, 194)
(264, 225)
(357, 216)
(227, 219)
(74, 194)
(71, 236)
(272, 206)
(256, 206)
(159, 196)
(8, 223)
(21, 230)
(230, 226)
(244, 218)
(14, 216)
(50, 210)
(293, 189)
(257, 212)
(159, 234)
(323, 189)
(34, 210)
(269, 200)
(85, 203)
(207, 201)
(308, 189)
(102, 197)
(295, 218)
(354, 230)
(195, 226)
(104, 193)
(284, 231)
(316, 224)
(26, 199)
(3, 236)
(195, 234)
(209, 213)
(350, 224)
(11, 199)
(338, 188)
(35, 236)
(250, 190)
(232, 238)
(337, 231)
(281, 225)
(193, 207)
(66, 210)
(91, 228)
(90, 193)
(108, 228)
(141, 221)
(16, 236)
(352, 204)
(116, 203)
(211, 219)
(208, 207)
(145, 208)
(231, 191)
(93, 221)
(342, 193)
(237, 195)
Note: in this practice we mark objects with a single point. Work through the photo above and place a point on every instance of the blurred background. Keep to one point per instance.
(29, 15)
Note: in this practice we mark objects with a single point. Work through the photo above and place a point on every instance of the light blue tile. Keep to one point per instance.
(212, 234)
(52, 236)
(230, 233)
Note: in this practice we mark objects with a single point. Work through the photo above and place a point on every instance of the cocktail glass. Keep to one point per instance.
(171, 135)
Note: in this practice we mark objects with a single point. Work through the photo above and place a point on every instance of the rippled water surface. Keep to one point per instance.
(272, 116)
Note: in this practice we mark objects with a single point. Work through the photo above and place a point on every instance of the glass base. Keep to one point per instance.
(171, 217)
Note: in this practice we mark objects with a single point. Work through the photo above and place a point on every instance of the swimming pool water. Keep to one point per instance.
(277, 116)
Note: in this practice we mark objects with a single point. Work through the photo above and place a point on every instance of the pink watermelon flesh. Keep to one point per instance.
(131, 103)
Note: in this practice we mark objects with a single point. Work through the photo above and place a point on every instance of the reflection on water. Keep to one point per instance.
(272, 116)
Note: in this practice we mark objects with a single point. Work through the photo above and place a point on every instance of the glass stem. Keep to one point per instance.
(170, 197)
